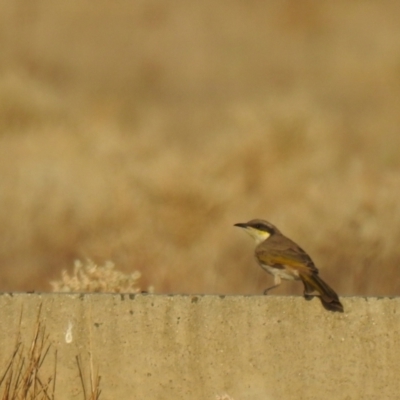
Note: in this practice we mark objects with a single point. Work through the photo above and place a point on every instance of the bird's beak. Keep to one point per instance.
(241, 225)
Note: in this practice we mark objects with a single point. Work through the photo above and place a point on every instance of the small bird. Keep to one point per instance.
(284, 259)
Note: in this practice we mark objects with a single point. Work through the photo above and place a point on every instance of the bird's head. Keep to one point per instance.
(259, 229)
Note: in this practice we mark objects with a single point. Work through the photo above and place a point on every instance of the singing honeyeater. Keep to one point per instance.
(284, 259)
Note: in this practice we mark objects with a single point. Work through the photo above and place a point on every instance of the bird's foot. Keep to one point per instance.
(309, 296)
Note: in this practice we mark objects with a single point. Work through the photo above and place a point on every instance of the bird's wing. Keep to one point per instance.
(283, 251)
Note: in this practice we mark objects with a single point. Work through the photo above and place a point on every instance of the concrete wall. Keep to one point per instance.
(195, 347)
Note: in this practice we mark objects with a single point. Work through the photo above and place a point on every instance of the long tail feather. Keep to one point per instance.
(327, 295)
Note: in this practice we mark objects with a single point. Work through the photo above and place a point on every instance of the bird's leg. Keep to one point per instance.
(308, 291)
(309, 296)
(277, 282)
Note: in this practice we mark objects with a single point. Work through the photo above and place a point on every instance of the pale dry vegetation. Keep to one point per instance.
(31, 371)
(89, 277)
(23, 377)
(141, 132)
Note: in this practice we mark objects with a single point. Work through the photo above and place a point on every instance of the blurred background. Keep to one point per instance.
(141, 131)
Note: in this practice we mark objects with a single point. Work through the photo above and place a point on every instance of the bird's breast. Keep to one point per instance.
(283, 271)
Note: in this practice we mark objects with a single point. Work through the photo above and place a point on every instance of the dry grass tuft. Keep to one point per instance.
(93, 392)
(223, 397)
(23, 378)
(89, 277)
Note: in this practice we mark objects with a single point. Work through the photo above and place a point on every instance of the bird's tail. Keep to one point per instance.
(327, 295)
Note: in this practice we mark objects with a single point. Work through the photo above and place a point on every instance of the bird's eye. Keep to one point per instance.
(259, 227)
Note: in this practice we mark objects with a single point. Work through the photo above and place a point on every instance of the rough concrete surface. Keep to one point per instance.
(195, 347)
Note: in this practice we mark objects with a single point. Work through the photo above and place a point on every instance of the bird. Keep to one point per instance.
(284, 259)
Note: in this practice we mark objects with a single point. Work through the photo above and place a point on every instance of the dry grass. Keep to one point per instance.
(142, 134)
(223, 397)
(89, 277)
(23, 377)
(93, 392)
